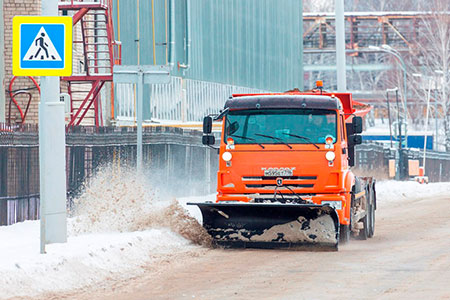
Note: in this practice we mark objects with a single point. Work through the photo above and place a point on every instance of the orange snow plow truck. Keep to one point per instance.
(284, 178)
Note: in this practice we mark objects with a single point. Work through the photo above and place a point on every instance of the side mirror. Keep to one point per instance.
(207, 125)
(354, 140)
(357, 124)
(208, 140)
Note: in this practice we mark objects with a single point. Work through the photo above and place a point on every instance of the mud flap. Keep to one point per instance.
(271, 225)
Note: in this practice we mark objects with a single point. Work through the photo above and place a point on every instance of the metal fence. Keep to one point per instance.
(372, 159)
(437, 165)
(172, 156)
(184, 100)
(19, 173)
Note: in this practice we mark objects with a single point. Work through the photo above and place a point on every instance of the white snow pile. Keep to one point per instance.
(389, 191)
(119, 226)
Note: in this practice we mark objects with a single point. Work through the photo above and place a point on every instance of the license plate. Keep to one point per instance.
(271, 172)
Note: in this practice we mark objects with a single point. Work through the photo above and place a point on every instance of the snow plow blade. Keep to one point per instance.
(271, 225)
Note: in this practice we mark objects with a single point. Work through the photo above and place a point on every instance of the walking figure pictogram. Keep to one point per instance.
(42, 46)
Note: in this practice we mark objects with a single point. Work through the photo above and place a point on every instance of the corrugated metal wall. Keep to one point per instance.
(133, 27)
(252, 43)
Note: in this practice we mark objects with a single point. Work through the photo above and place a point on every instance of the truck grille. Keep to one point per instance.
(272, 186)
(269, 182)
(250, 178)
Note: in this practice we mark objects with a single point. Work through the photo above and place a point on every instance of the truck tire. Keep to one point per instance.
(344, 234)
(372, 213)
(364, 233)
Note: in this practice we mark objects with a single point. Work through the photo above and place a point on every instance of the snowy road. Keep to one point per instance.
(409, 257)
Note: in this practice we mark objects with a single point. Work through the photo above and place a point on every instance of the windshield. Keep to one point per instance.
(271, 126)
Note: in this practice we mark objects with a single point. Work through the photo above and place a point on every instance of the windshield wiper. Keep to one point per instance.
(303, 138)
(247, 138)
(274, 138)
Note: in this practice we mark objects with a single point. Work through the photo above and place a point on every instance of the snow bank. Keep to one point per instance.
(119, 226)
(390, 191)
(83, 261)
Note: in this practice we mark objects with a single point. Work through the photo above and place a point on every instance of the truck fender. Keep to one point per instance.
(349, 181)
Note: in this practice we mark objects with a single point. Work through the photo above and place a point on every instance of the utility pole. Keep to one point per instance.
(436, 118)
(400, 146)
(340, 46)
(399, 162)
(426, 128)
(52, 159)
(139, 119)
(141, 75)
(389, 116)
(396, 54)
(399, 121)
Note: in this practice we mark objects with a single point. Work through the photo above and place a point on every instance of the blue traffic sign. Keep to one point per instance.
(42, 46)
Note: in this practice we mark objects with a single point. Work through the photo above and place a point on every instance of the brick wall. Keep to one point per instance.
(13, 8)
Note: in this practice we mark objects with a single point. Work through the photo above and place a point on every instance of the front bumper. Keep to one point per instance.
(315, 199)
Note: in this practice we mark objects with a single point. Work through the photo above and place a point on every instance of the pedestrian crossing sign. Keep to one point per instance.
(42, 46)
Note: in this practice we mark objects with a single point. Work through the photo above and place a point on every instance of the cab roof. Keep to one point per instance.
(238, 102)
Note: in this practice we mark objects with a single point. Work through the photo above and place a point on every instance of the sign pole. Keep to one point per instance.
(139, 113)
(426, 128)
(52, 160)
(340, 46)
(141, 75)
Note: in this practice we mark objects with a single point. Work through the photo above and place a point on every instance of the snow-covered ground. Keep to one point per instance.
(84, 260)
(105, 243)
(382, 128)
(391, 191)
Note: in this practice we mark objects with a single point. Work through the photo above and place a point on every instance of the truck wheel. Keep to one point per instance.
(364, 233)
(344, 234)
(372, 214)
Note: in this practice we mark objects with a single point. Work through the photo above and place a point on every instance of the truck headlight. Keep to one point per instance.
(226, 156)
(330, 156)
(333, 204)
